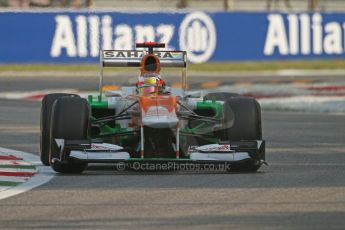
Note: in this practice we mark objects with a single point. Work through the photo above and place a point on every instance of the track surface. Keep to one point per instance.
(303, 188)
(30, 82)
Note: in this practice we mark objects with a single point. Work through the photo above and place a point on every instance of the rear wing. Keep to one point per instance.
(132, 58)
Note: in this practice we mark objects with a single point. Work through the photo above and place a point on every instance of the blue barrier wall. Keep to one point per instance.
(77, 36)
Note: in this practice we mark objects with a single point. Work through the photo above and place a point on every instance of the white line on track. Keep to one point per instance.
(44, 174)
(14, 163)
(308, 164)
(17, 170)
(3, 188)
(14, 179)
(307, 103)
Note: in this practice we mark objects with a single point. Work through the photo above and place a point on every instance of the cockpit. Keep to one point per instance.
(150, 83)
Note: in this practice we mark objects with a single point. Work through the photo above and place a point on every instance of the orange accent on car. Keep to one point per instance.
(150, 64)
(168, 102)
(110, 87)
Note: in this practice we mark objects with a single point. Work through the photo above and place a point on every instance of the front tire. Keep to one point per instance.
(70, 121)
(247, 119)
(242, 121)
(45, 120)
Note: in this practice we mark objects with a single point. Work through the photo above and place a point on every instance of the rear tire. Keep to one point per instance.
(70, 121)
(242, 119)
(46, 109)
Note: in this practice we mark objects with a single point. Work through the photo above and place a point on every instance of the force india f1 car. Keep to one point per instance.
(150, 122)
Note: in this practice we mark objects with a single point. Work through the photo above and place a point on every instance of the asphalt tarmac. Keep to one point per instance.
(302, 188)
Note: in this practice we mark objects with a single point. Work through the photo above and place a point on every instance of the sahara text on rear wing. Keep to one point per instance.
(123, 58)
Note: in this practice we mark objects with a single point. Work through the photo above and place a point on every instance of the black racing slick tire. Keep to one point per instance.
(242, 121)
(70, 120)
(242, 117)
(247, 119)
(46, 109)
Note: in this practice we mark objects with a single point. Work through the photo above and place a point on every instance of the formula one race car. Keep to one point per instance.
(151, 122)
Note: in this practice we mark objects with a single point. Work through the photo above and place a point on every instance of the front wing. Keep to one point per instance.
(85, 151)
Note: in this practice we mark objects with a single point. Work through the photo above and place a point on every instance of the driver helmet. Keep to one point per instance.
(150, 83)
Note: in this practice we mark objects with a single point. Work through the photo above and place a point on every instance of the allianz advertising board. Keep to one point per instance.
(78, 36)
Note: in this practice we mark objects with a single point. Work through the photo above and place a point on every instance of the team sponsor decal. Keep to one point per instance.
(215, 148)
(128, 54)
(209, 148)
(192, 149)
(104, 147)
